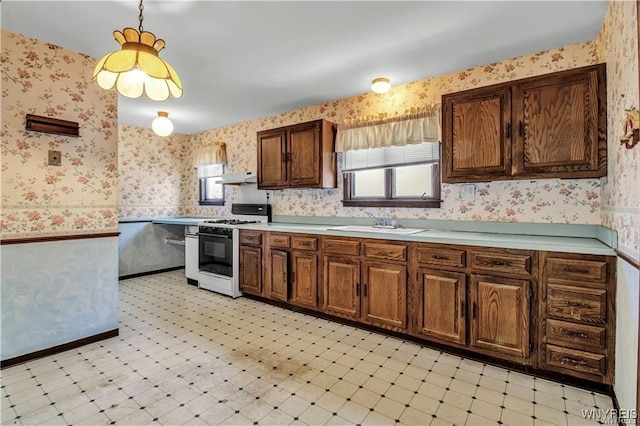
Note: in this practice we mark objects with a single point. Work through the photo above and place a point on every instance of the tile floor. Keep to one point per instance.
(188, 356)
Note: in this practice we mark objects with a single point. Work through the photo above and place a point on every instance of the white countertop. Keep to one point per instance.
(481, 239)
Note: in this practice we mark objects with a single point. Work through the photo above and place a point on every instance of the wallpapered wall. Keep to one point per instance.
(81, 195)
(553, 201)
(618, 47)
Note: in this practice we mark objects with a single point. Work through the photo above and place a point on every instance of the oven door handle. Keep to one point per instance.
(214, 235)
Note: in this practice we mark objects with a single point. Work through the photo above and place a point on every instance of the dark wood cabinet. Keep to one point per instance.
(550, 126)
(549, 311)
(577, 315)
(384, 294)
(369, 286)
(304, 280)
(500, 315)
(299, 156)
(441, 305)
(278, 280)
(251, 270)
(341, 286)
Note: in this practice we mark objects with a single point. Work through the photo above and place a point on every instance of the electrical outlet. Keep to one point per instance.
(467, 191)
(55, 158)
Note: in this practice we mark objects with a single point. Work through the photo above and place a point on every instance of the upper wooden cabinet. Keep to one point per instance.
(299, 156)
(551, 126)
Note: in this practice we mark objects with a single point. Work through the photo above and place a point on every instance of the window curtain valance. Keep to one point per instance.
(411, 128)
(213, 153)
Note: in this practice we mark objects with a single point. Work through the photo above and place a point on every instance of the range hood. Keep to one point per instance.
(238, 178)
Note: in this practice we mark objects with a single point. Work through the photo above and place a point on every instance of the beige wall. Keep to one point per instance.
(546, 201)
(618, 47)
(81, 195)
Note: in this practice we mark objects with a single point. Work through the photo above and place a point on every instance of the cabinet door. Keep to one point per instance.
(476, 135)
(304, 280)
(251, 270)
(341, 287)
(441, 299)
(278, 275)
(304, 155)
(500, 315)
(272, 148)
(384, 295)
(557, 125)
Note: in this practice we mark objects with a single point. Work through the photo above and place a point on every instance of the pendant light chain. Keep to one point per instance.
(140, 18)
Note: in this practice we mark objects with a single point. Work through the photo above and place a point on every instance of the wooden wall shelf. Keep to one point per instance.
(38, 123)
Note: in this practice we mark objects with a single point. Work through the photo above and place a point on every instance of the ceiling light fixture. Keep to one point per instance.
(380, 85)
(137, 70)
(161, 125)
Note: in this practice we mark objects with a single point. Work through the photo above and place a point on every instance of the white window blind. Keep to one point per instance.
(393, 156)
(210, 170)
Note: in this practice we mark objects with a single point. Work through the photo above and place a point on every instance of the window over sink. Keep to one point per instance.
(211, 193)
(395, 176)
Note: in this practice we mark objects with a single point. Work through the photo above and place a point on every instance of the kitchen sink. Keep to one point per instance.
(376, 229)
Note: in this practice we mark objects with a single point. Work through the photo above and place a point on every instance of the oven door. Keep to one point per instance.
(215, 254)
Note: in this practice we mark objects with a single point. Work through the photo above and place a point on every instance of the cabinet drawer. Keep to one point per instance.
(348, 247)
(570, 359)
(438, 256)
(304, 243)
(588, 305)
(385, 251)
(501, 262)
(276, 240)
(250, 237)
(574, 269)
(580, 334)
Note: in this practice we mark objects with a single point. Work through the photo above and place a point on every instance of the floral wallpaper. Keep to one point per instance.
(551, 201)
(547, 201)
(80, 195)
(618, 47)
(156, 173)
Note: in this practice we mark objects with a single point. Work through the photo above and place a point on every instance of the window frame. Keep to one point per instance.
(202, 190)
(348, 200)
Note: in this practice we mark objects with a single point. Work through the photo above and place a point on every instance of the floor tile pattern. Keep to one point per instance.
(186, 356)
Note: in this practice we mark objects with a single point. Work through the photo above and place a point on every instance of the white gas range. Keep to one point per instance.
(218, 247)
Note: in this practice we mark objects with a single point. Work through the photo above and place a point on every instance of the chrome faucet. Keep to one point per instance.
(379, 222)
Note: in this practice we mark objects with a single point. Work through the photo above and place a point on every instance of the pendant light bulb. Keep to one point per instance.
(161, 125)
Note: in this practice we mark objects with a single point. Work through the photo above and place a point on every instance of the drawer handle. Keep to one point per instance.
(567, 360)
(576, 270)
(304, 243)
(498, 263)
(574, 334)
(437, 256)
(578, 304)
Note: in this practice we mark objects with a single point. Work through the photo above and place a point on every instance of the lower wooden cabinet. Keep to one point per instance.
(384, 295)
(278, 279)
(304, 280)
(551, 311)
(577, 311)
(440, 305)
(251, 270)
(500, 314)
(341, 287)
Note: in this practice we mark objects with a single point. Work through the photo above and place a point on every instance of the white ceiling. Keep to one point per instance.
(243, 60)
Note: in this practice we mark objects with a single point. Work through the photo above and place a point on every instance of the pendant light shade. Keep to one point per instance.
(161, 125)
(137, 70)
(380, 85)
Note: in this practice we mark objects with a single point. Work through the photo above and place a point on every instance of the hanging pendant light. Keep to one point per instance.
(136, 70)
(161, 125)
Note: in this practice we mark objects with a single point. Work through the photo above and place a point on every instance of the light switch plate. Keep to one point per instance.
(55, 158)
